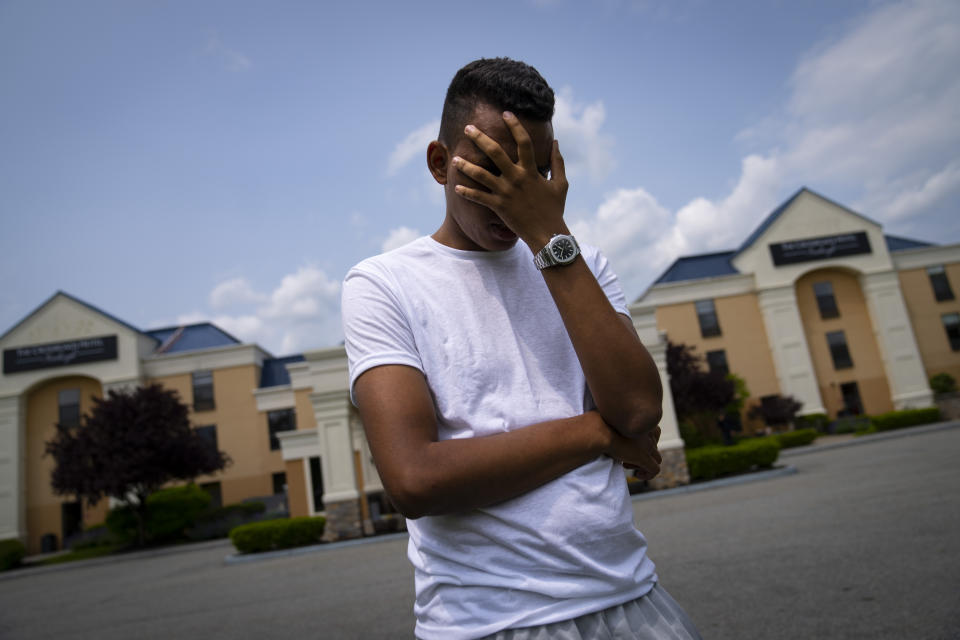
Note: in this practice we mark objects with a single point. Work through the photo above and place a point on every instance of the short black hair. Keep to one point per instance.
(503, 83)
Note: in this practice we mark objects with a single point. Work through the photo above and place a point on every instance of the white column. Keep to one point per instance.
(13, 469)
(331, 410)
(645, 322)
(895, 339)
(788, 344)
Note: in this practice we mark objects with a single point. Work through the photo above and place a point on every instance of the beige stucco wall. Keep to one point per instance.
(242, 431)
(304, 409)
(743, 337)
(855, 322)
(297, 498)
(43, 506)
(925, 315)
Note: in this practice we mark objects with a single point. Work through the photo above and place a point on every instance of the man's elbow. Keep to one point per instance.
(642, 419)
(411, 495)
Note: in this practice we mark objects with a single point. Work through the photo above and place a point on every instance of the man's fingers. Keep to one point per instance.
(557, 170)
(488, 200)
(475, 172)
(490, 147)
(525, 154)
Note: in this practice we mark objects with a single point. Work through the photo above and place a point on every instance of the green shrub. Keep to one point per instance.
(797, 438)
(169, 513)
(96, 536)
(278, 534)
(818, 421)
(713, 461)
(905, 418)
(851, 424)
(943, 383)
(11, 553)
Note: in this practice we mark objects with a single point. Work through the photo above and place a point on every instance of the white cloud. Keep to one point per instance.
(414, 145)
(399, 237)
(231, 58)
(873, 118)
(301, 313)
(584, 148)
(236, 291)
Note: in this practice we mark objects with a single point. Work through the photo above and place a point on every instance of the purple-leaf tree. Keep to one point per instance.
(127, 447)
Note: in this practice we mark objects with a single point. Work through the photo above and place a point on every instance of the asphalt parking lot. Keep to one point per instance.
(862, 542)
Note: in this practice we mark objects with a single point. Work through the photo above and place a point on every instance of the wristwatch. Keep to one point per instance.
(561, 250)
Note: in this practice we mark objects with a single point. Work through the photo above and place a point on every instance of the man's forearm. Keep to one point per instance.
(622, 376)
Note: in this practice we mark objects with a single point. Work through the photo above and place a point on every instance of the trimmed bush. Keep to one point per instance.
(217, 523)
(797, 438)
(169, 513)
(278, 534)
(905, 418)
(943, 383)
(710, 462)
(818, 421)
(11, 553)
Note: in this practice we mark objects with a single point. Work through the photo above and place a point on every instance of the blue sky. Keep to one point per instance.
(230, 161)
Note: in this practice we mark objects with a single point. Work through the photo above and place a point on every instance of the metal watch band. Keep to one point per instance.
(545, 257)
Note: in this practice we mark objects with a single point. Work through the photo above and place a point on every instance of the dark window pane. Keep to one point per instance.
(69, 407)
(717, 361)
(316, 481)
(279, 482)
(951, 322)
(852, 405)
(208, 433)
(825, 300)
(707, 315)
(277, 421)
(940, 283)
(838, 350)
(216, 498)
(203, 390)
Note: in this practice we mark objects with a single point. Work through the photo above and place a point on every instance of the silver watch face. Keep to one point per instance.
(562, 249)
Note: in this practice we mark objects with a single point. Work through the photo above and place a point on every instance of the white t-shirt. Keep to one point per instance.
(485, 332)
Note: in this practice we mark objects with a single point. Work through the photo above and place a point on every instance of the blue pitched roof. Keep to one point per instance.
(191, 337)
(274, 372)
(706, 265)
(899, 243)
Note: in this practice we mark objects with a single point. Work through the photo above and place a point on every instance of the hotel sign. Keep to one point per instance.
(59, 354)
(809, 249)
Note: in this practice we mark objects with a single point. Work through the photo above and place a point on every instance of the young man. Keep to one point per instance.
(501, 386)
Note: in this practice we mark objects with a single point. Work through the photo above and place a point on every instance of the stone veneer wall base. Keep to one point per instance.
(343, 520)
(673, 470)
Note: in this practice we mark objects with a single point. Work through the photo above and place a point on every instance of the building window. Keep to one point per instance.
(852, 405)
(277, 421)
(939, 282)
(717, 361)
(707, 315)
(951, 322)
(825, 300)
(69, 407)
(838, 350)
(316, 483)
(203, 390)
(209, 433)
(279, 483)
(216, 498)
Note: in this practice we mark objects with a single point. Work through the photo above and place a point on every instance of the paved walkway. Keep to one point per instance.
(861, 542)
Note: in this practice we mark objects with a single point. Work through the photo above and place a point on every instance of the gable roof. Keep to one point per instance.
(705, 265)
(191, 337)
(776, 213)
(899, 243)
(80, 302)
(274, 371)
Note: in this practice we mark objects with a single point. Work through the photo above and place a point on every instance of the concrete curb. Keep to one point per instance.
(238, 558)
(873, 437)
(756, 476)
(31, 568)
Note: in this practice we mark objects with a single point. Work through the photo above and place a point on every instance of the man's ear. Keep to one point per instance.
(438, 158)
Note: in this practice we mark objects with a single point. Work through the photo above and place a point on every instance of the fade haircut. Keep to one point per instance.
(508, 85)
